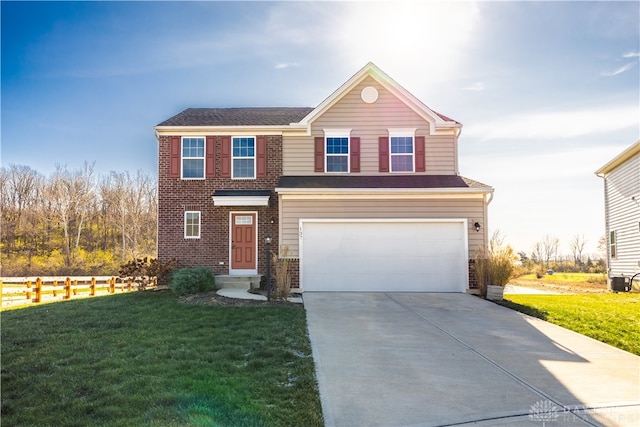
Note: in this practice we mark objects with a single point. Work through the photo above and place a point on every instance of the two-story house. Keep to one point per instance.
(363, 190)
(621, 176)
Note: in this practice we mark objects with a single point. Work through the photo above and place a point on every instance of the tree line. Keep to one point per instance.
(74, 221)
(544, 255)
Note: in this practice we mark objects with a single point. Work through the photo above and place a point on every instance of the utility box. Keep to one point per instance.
(620, 284)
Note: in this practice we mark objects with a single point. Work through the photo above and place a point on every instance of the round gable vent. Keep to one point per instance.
(369, 94)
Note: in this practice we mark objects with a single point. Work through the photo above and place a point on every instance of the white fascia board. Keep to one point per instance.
(240, 200)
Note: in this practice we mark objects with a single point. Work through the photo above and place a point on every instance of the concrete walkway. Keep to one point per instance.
(410, 359)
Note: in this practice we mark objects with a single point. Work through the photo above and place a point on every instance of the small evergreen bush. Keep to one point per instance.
(187, 281)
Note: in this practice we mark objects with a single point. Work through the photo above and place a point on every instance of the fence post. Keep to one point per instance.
(55, 288)
(38, 297)
(92, 288)
(28, 289)
(67, 288)
(112, 285)
(75, 288)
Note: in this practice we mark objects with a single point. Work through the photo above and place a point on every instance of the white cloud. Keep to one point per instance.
(476, 87)
(556, 124)
(631, 55)
(283, 65)
(619, 70)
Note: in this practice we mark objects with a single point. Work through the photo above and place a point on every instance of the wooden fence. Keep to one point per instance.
(33, 290)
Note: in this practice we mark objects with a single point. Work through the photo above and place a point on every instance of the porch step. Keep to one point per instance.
(237, 282)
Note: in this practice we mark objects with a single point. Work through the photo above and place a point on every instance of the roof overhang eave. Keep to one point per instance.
(386, 191)
(619, 159)
(223, 130)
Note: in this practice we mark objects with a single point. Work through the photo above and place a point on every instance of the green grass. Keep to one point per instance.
(144, 359)
(610, 318)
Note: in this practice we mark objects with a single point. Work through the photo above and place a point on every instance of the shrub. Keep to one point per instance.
(147, 272)
(495, 266)
(187, 281)
(282, 275)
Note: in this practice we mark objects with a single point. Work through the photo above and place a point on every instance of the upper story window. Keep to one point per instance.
(401, 150)
(337, 154)
(193, 158)
(243, 157)
(192, 225)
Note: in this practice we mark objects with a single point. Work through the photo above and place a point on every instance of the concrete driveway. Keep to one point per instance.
(414, 359)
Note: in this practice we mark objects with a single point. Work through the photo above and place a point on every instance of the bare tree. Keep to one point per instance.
(549, 248)
(538, 253)
(20, 188)
(577, 245)
(71, 193)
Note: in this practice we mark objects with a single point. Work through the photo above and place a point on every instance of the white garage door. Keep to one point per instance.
(379, 255)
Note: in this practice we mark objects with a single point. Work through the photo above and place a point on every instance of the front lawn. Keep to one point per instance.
(146, 359)
(610, 318)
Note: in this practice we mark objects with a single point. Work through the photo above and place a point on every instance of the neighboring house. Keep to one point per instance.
(622, 213)
(363, 190)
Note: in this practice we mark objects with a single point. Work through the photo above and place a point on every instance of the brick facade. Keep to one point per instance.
(175, 196)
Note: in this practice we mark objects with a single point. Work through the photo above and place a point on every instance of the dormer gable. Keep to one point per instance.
(438, 123)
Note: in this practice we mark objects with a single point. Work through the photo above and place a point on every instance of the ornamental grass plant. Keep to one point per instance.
(494, 265)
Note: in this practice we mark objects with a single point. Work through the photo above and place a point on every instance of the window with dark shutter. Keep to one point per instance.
(174, 157)
(318, 154)
(383, 154)
(420, 157)
(355, 154)
(210, 153)
(225, 157)
(261, 156)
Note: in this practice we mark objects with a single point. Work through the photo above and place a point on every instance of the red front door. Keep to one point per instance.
(243, 241)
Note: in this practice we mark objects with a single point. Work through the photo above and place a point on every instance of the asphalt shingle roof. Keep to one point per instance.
(253, 116)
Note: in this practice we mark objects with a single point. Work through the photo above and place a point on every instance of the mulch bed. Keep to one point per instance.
(211, 298)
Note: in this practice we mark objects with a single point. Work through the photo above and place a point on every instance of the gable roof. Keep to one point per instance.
(435, 119)
(254, 116)
(300, 118)
(620, 158)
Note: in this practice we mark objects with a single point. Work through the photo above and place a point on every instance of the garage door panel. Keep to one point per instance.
(384, 256)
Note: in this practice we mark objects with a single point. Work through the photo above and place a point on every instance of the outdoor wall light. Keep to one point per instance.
(477, 226)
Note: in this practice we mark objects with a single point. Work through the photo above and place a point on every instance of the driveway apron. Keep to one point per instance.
(436, 359)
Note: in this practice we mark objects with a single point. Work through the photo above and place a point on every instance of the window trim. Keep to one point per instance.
(186, 213)
(613, 244)
(403, 133)
(337, 133)
(347, 154)
(203, 158)
(254, 158)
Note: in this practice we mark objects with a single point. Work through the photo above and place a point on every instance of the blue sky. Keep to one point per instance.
(547, 91)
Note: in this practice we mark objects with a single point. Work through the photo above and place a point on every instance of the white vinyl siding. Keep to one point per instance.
(622, 213)
(369, 122)
(292, 210)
